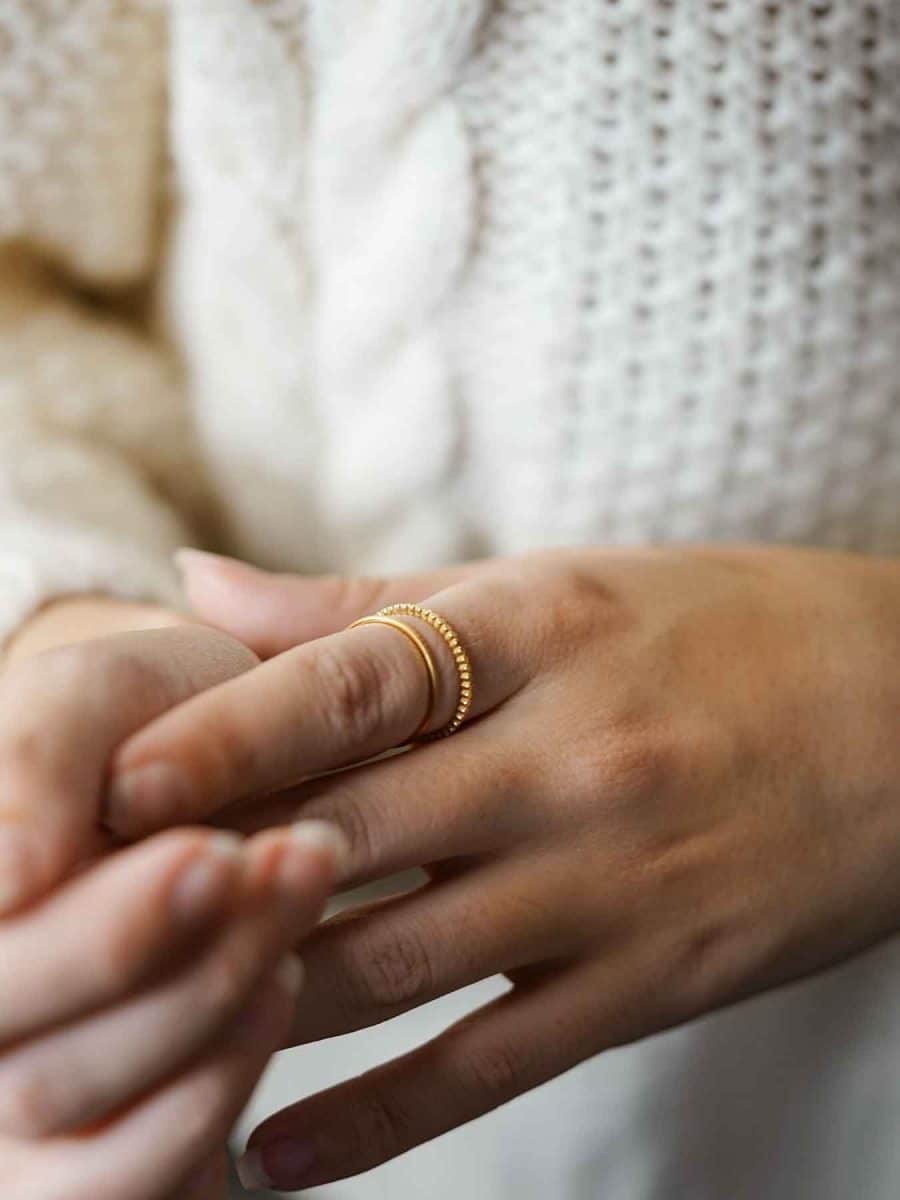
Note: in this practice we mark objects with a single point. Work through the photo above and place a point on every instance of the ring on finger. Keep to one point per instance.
(388, 617)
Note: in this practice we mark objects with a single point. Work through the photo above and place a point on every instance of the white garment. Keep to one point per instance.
(443, 277)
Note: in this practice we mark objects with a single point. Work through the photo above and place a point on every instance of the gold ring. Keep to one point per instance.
(387, 617)
(460, 659)
(424, 653)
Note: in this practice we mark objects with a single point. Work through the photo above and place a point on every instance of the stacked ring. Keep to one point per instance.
(424, 653)
(387, 617)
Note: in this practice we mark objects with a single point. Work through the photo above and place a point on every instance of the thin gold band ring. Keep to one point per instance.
(424, 653)
(387, 616)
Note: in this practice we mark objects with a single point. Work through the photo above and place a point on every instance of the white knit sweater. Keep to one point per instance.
(442, 277)
(371, 284)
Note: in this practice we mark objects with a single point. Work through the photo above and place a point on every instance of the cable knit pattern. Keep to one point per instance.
(239, 286)
(93, 436)
(452, 277)
(394, 203)
(97, 478)
(80, 130)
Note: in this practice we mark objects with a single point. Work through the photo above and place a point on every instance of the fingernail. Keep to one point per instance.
(15, 869)
(148, 797)
(290, 975)
(251, 1172)
(323, 838)
(300, 861)
(284, 1164)
(204, 886)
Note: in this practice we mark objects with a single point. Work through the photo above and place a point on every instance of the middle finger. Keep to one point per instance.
(456, 799)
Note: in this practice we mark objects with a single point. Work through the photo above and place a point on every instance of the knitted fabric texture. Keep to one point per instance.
(442, 278)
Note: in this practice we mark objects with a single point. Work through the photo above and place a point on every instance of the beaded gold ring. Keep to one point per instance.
(461, 661)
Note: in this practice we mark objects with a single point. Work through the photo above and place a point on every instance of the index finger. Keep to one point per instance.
(324, 705)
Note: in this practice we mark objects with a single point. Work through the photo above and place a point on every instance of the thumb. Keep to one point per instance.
(62, 715)
(271, 613)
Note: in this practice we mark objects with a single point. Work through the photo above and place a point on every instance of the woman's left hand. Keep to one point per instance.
(680, 786)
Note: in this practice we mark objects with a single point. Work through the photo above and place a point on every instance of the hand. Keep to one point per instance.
(61, 716)
(679, 787)
(59, 720)
(81, 618)
(139, 1005)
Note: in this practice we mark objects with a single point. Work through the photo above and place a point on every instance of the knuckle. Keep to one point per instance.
(640, 765)
(353, 691)
(705, 969)
(233, 755)
(215, 760)
(572, 605)
(393, 970)
(512, 775)
(623, 767)
(490, 1075)
(381, 1129)
(357, 820)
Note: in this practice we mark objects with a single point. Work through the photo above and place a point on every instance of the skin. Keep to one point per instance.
(679, 787)
(142, 989)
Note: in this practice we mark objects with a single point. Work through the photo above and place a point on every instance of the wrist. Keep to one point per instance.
(83, 618)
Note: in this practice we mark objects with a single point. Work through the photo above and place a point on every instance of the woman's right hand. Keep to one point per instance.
(140, 1000)
(139, 1005)
(62, 714)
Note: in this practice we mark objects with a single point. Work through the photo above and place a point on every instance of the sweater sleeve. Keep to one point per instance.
(97, 486)
(98, 481)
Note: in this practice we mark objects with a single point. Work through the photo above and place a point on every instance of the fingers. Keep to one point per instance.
(107, 931)
(518, 1042)
(61, 715)
(369, 968)
(271, 613)
(82, 1073)
(466, 796)
(324, 705)
(148, 1151)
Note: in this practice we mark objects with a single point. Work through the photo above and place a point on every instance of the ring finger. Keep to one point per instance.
(324, 705)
